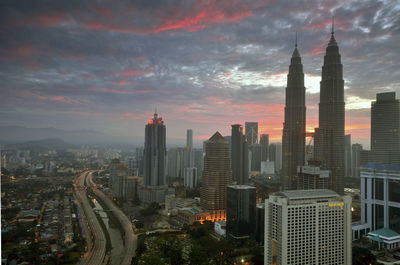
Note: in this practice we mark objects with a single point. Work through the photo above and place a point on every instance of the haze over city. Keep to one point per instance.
(205, 65)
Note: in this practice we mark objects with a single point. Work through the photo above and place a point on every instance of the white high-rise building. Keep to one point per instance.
(190, 179)
(307, 227)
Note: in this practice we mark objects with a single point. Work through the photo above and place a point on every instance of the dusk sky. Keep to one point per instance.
(106, 65)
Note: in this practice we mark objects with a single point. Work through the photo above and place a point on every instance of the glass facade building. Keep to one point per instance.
(240, 212)
(380, 196)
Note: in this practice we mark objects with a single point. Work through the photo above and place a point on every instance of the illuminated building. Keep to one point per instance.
(385, 129)
(240, 212)
(154, 186)
(294, 127)
(239, 155)
(217, 175)
(307, 227)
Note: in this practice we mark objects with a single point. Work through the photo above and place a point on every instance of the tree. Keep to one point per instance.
(362, 256)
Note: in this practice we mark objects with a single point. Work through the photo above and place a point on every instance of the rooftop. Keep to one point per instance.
(377, 166)
(241, 187)
(306, 194)
(385, 233)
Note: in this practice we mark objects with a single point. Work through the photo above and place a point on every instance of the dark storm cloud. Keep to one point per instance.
(116, 61)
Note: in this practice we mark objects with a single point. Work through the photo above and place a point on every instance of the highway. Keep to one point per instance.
(97, 245)
(130, 239)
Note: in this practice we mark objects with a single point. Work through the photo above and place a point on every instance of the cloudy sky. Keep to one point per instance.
(206, 64)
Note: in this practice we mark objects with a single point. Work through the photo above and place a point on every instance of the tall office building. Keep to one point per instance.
(275, 154)
(154, 186)
(199, 161)
(255, 153)
(140, 159)
(239, 155)
(329, 145)
(356, 160)
(312, 177)
(347, 155)
(189, 138)
(190, 172)
(172, 163)
(264, 142)
(294, 127)
(385, 129)
(240, 212)
(251, 131)
(217, 175)
(307, 227)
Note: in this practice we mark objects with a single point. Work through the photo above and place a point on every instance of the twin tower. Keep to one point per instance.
(329, 137)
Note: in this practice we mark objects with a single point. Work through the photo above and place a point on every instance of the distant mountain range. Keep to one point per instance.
(45, 144)
(20, 134)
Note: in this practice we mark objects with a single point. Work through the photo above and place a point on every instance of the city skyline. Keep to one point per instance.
(204, 65)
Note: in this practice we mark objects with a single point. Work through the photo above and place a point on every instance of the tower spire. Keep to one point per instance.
(333, 24)
(296, 40)
(155, 113)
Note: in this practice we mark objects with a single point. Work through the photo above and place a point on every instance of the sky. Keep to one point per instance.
(206, 64)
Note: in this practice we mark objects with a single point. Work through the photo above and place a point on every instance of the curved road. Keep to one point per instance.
(97, 247)
(130, 239)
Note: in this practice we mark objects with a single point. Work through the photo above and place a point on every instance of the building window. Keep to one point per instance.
(378, 189)
(394, 191)
(379, 216)
(394, 219)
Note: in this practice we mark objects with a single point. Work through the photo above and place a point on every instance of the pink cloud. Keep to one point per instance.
(200, 15)
(217, 39)
(122, 82)
(40, 20)
(127, 73)
(60, 99)
(121, 91)
(24, 50)
(139, 59)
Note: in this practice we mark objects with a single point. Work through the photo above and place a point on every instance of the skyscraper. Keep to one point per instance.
(190, 172)
(239, 153)
(307, 227)
(312, 177)
(240, 212)
(347, 155)
(385, 129)
(154, 178)
(264, 142)
(217, 175)
(356, 160)
(251, 131)
(329, 145)
(255, 152)
(294, 127)
(275, 154)
(189, 138)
